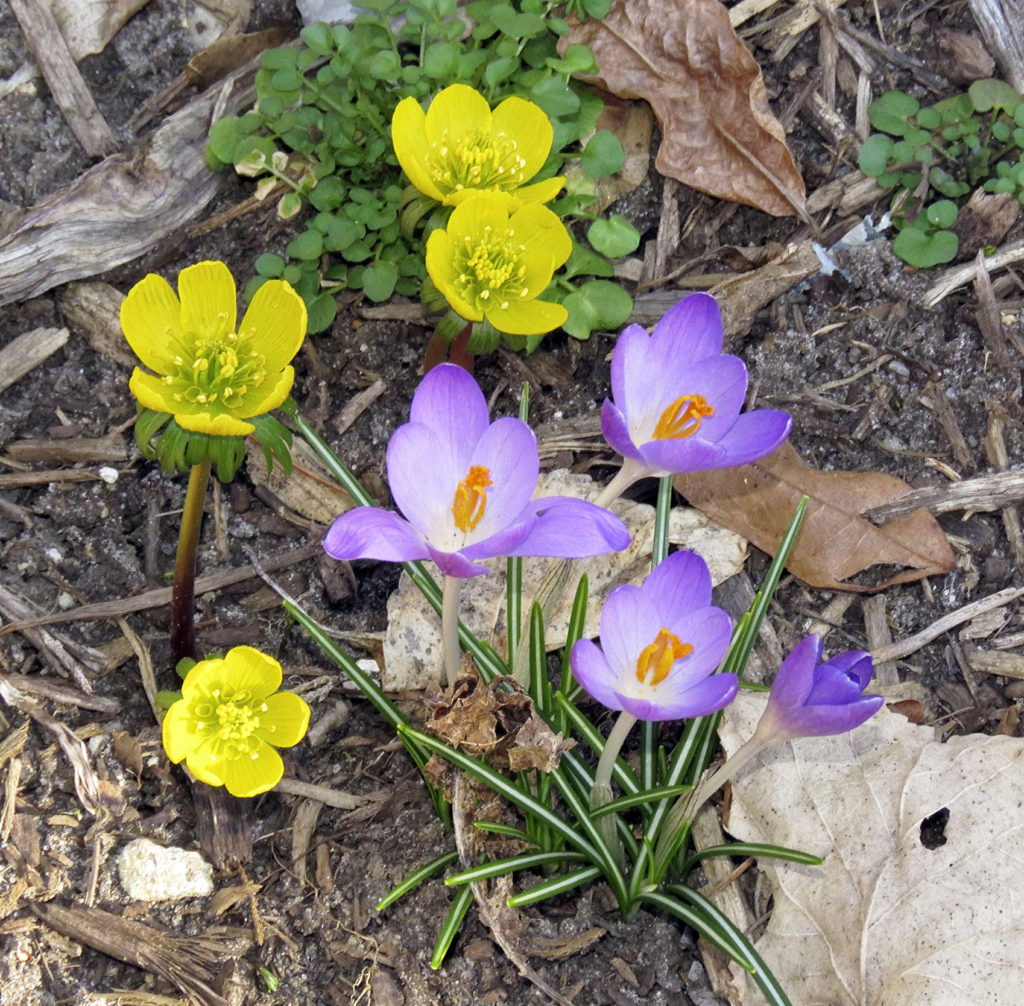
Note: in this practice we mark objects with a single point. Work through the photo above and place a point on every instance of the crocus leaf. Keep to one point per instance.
(684, 58)
(836, 543)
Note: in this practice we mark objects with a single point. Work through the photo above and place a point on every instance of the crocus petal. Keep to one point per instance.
(722, 380)
(856, 664)
(616, 431)
(520, 118)
(180, 733)
(795, 676)
(592, 670)
(457, 565)
(707, 696)
(678, 584)
(754, 435)
(821, 721)
(425, 492)
(629, 623)
(409, 138)
(370, 533)
(207, 292)
(572, 528)
(508, 450)
(440, 261)
(284, 721)
(631, 376)
(456, 111)
(832, 688)
(665, 457)
(522, 317)
(216, 424)
(450, 402)
(277, 316)
(267, 396)
(151, 322)
(709, 631)
(693, 328)
(540, 192)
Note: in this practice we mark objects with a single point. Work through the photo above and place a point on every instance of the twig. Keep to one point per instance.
(48, 689)
(327, 795)
(953, 279)
(27, 351)
(986, 492)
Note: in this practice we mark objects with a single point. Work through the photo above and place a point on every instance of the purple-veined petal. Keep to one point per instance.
(795, 676)
(592, 671)
(450, 402)
(503, 542)
(821, 721)
(722, 380)
(508, 449)
(681, 582)
(628, 361)
(422, 477)
(692, 328)
(571, 528)
(857, 664)
(707, 696)
(832, 687)
(616, 430)
(456, 564)
(675, 456)
(370, 533)
(754, 435)
(629, 623)
(708, 631)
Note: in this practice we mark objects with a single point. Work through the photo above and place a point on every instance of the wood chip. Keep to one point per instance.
(876, 628)
(27, 351)
(112, 447)
(95, 309)
(1002, 24)
(987, 492)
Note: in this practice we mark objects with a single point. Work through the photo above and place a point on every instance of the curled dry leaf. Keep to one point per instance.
(836, 543)
(718, 133)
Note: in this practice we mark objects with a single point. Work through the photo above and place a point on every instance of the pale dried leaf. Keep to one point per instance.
(718, 132)
(88, 25)
(413, 656)
(835, 543)
(887, 920)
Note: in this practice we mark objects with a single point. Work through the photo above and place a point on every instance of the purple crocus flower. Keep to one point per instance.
(660, 644)
(809, 699)
(464, 485)
(676, 400)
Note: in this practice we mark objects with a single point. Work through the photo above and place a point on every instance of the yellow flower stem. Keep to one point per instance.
(450, 627)
(183, 628)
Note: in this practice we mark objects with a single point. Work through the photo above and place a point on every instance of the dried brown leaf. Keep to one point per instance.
(836, 542)
(718, 132)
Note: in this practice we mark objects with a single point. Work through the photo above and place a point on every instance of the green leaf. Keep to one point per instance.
(1001, 131)
(614, 237)
(597, 9)
(289, 205)
(308, 246)
(498, 70)
(987, 95)
(441, 61)
(598, 304)
(320, 311)
(603, 155)
(875, 155)
(929, 118)
(941, 214)
(457, 912)
(555, 97)
(425, 872)
(379, 280)
(385, 65)
(890, 112)
(270, 265)
(164, 699)
(584, 262)
(922, 250)
(319, 37)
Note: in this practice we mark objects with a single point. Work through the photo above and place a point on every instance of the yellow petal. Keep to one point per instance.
(409, 138)
(277, 315)
(477, 218)
(218, 424)
(151, 392)
(207, 762)
(252, 774)
(269, 395)
(180, 735)
(207, 292)
(151, 322)
(537, 227)
(540, 192)
(203, 676)
(530, 128)
(441, 268)
(285, 720)
(527, 317)
(454, 112)
(246, 668)
(508, 201)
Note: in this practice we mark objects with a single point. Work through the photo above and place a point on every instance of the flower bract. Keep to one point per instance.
(676, 399)
(495, 266)
(660, 645)
(459, 147)
(811, 699)
(230, 719)
(464, 485)
(208, 372)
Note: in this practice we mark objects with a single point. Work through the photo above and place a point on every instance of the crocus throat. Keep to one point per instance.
(682, 418)
(470, 500)
(658, 657)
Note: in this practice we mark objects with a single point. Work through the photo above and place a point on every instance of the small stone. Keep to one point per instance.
(151, 872)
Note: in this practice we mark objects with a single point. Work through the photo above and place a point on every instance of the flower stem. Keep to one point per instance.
(602, 789)
(624, 478)
(450, 627)
(183, 627)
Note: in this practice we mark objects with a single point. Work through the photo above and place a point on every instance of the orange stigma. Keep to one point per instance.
(682, 418)
(470, 500)
(659, 656)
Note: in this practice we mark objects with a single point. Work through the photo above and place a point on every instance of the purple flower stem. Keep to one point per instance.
(601, 793)
(450, 628)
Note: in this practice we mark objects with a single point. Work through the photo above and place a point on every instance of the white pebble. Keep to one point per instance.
(151, 872)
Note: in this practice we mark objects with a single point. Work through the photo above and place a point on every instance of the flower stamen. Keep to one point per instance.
(682, 418)
(658, 657)
(470, 499)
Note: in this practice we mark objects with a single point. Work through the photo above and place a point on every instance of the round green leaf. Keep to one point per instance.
(603, 155)
(320, 312)
(941, 214)
(441, 61)
(986, 95)
(614, 237)
(929, 118)
(923, 250)
(270, 265)
(379, 280)
(875, 155)
(1001, 131)
(890, 112)
(308, 246)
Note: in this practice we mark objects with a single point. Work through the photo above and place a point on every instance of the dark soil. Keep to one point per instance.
(312, 924)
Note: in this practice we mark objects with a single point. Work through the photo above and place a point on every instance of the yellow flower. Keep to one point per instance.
(209, 374)
(492, 265)
(229, 720)
(459, 147)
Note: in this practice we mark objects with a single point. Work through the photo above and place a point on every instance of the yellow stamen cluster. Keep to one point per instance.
(470, 499)
(477, 160)
(216, 368)
(682, 418)
(491, 266)
(658, 657)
